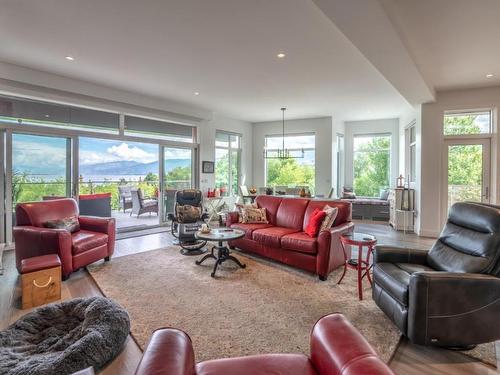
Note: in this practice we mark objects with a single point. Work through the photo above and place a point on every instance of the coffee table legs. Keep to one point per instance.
(223, 254)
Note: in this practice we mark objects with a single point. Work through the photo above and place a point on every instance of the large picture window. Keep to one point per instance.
(372, 160)
(227, 162)
(294, 171)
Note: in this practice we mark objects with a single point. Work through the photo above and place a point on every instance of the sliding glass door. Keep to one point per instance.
(38, 167)
(178, 167)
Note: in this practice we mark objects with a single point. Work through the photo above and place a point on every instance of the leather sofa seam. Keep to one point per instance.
(464, 313)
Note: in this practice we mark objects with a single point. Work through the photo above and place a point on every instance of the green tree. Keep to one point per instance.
(372, 167)
(289, 172)
(151, 178)
(465, 162)
(179, 177)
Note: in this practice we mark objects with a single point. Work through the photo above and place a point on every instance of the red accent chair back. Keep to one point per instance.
(337, 348)
(94, 241)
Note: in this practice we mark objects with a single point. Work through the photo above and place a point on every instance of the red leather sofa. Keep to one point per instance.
(337, 348)
(284, 240)
(94, 241)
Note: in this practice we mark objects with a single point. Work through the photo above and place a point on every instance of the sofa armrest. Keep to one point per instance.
(338, 348)
(97, 224)
(393, 254)
(232, 218)
(169, 352)
(34, 241)
(330, 252)
(439, 302)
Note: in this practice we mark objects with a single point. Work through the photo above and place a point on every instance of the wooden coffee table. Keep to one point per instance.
(220, 235)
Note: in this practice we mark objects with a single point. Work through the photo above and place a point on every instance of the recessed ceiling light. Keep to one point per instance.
(196, 93)
(489, 75)
(280, 55)
(70, 58)
(47, 116)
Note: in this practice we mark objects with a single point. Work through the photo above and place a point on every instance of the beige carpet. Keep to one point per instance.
(265, 308)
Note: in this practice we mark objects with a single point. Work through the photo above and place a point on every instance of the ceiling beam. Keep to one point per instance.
(366, 24)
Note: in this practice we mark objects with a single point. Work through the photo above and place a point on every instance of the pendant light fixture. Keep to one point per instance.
(283, 153)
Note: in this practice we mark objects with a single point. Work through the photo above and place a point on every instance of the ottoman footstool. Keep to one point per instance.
(41, 280)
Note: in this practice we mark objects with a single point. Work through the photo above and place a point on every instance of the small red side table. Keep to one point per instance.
(362, 266)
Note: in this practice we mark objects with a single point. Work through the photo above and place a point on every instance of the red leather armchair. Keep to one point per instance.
(94, 241)
(337, 348)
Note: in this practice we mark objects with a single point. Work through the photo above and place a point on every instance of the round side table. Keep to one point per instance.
(361, 265)
(220, 235)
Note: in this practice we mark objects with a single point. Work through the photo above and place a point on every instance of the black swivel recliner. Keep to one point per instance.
(450, 295)
(187, 219)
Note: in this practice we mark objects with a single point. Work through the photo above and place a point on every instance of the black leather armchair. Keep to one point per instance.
(450, 295)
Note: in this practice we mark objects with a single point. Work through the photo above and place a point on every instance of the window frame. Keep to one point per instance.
(389, 150)
(230, 149)
(467, 112)
(291, 149)
(410, 147)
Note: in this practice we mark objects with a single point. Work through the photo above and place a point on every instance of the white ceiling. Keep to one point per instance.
(225, 49)
(453, 42)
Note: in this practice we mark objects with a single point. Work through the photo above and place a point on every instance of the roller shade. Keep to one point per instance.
(171, 130)
(38, 113)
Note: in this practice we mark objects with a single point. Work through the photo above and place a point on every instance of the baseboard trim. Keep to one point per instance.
(428, 233)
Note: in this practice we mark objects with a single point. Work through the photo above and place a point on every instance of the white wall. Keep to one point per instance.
(321, 127)
(387, 126)
(432, 183)
(206, 133)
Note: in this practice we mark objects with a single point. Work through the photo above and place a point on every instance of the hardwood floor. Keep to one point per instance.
(408, 359)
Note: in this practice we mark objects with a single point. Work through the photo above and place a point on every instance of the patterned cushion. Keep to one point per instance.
(331, 215)
(187, 213)
(252, 215)
(239, 207)
(71, 224)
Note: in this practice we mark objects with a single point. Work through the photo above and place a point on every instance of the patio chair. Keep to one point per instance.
(125, 197)
(141, 204)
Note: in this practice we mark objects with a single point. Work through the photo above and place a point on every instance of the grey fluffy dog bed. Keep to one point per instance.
(64, 338)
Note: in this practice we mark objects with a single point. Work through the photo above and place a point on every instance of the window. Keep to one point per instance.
(227, 162)
(372, 160)
(411, 152)
(146, 128)
(466, 123)
(340, 162)
(294, 171)
(35, 113)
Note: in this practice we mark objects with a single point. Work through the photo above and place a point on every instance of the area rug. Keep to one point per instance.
(264, 308)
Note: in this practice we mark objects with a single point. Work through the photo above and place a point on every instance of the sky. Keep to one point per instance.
(47, 155)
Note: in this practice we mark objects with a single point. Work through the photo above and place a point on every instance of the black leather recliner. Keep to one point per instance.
(450, 295)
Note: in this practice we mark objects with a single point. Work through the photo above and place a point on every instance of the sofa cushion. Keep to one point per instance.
(271, 204)
(265, 364)
(85, 240)
(271, 236)
(394, 278)
(291, 213)
(249, 228)
(300, 242)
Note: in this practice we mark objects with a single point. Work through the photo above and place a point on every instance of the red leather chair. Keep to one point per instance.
(94, 241)
(337, 348)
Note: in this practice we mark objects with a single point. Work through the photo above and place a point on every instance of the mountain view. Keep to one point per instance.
(117, 168)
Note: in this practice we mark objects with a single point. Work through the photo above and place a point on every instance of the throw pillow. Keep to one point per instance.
(239, 207)
(384, 194)
(331, 215)
(187, 213)
(314, 223)
(71, 224)
(251, 215)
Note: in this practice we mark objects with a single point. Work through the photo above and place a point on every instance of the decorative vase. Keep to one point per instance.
(303, 193)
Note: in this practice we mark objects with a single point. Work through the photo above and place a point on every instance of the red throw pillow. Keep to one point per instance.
(315, 222)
